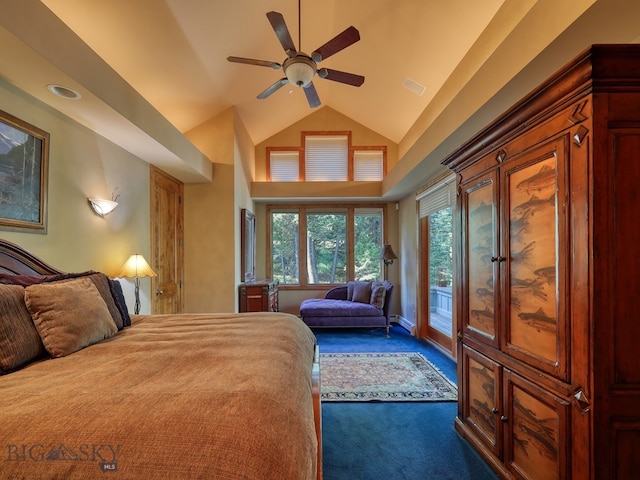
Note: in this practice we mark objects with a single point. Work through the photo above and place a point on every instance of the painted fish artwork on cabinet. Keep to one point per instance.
(535, 436)
(481, 246)
(482, 391)
(532, 259)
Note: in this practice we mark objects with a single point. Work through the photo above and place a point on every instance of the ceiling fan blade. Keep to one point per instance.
(337, 43)
(282, 32)
(312, 95)
(251, 61)
(342, 77)
(273, 88)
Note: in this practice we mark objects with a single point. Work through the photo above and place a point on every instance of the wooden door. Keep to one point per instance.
(167, 248)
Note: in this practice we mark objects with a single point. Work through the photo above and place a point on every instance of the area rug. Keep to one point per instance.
(383, 377)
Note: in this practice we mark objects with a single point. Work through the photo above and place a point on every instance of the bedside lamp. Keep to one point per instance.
(387, 256)
(136, 267)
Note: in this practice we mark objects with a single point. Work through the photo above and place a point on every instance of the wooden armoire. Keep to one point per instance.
(548, 282)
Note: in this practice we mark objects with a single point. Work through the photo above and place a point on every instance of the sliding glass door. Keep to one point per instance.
(436, 321)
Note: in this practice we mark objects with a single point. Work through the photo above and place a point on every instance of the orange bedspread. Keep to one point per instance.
(220, 396)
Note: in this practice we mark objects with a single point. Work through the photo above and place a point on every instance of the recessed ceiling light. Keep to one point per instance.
(64, 92)
(413, 86)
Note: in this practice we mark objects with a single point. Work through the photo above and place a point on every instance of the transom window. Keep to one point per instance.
(315, 245)
(326, 157)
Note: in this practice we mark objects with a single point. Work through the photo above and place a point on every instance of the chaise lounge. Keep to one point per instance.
(357, 304)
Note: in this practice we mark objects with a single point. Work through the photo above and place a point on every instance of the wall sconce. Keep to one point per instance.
(102, 207)
(387, 256)
(136, 267)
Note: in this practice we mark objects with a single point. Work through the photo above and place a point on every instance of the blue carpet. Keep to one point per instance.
(394, 441)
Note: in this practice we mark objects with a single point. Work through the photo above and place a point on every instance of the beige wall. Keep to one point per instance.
(325, 119)
(83, 164)
(212, 215)
(244, 173)
(408, 261)
(209, 223)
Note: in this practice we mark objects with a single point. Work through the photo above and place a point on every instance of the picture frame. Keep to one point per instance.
(248, 245)
(24, 162)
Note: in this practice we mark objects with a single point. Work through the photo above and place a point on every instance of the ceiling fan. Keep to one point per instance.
(300, 68)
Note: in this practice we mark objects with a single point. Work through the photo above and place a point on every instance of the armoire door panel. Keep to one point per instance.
(625, 250)
(534, 209)
(481, 249)
(536, 423)
(482, 403)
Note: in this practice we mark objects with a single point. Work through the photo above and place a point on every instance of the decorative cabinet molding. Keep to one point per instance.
(549, 275)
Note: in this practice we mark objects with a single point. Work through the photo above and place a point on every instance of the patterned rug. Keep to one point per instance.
(383, 377)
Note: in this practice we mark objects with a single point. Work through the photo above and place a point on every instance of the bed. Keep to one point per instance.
(220, 396)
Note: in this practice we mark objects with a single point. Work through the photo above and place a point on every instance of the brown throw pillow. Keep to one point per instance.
(378, 293)
(69, 315)
(19, 339)
(101, 281)
(362, 292)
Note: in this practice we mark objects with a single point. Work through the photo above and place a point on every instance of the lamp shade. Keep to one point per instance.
(388, 254)
(101, 206)
(136, 266)
(299, 70)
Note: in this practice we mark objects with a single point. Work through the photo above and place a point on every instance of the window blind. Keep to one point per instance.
(284, 166)
(326, 158)
(439, 197)
(367, 165)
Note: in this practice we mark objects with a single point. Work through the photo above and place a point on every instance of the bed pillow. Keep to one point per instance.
(361, 292)
(19, 339)
(121, 303)
(101, 281)
(69, 315)
(378, 293)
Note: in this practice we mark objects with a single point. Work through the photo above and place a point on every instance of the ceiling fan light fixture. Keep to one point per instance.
(299, 70)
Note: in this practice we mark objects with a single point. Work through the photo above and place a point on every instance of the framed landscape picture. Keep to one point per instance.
(24, 155)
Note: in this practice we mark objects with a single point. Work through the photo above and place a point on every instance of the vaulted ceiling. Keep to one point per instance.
(174, 52)
(169, 58)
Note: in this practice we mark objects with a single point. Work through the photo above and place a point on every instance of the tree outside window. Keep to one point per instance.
(368, 242)
(285, 251)
(331, 254)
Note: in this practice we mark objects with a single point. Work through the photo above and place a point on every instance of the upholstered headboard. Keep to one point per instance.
(15, 260)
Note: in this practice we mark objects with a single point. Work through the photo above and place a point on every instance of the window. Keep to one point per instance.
(367, 244)
(326, 248)
(326, 157)
(285, 251)
(316, 245)
(284, 166)
(368, 165)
